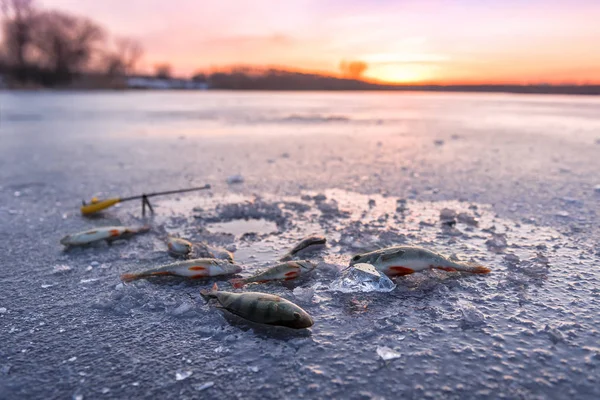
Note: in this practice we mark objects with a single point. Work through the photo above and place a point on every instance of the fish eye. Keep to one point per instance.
(356, 257)
(296, 315)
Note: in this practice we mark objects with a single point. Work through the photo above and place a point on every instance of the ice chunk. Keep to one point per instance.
(554, 334)
(183, 308)
(447, 214)
(203, 386)
(497, 243)
(467, 219)
(597, 188)
(387, 354)
(234, 179)
(181, 375)
(304, 294)
(512, 259)
(471, 315)
(362, 278)
(58, 269)
(3, 310)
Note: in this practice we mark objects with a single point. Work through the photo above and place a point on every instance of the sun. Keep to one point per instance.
(401, 73)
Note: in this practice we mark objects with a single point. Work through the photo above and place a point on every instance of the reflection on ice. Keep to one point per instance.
(362, 278)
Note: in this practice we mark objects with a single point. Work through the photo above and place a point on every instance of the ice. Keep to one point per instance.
(305, 295)
(471, 316)
(554, 334)
(77, 397)
(183, 308)
(597, 188)
(3, 310)
(203, 386)
(253, 369)
(362, 278)
(563, 214)
(62, 268)
(497, 243)
(512, 259)
(468, 219)
(387, 354)
(181, 375)
(72, 359)
(235, 179)
(105, 390)
(447, 214)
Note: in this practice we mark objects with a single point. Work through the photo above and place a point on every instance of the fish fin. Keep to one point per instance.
(472, 267)
(237, 283)
(287, 257)
(114, 233)
(130, 277)
(399, 271)
(209, 294)
(480, 269)
(447, 269)
(390, 254)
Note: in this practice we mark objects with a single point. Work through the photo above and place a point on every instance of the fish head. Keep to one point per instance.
(365, 258)
(66, 240)
(295, 317)
(231, 267)
(306, 266)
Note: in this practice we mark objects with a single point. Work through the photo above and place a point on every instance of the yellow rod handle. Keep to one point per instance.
(98, 205)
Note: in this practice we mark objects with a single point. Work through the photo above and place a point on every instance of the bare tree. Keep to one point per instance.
(162, 71)
(65, 44)
(353, 69)
(17, 25)
(124, 58)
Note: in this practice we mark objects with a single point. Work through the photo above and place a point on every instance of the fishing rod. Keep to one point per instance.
(96, 205)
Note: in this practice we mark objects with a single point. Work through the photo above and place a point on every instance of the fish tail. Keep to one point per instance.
(142, 229)
(209, 294)
(237, 283)
(472, 267)
(130, 277)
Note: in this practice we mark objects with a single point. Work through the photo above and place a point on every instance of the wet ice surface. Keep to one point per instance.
(528, 329)
(70, 329)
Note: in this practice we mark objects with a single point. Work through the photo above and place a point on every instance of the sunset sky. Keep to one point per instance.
(444, 41)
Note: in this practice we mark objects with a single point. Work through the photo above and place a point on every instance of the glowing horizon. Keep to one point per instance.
(428, 41)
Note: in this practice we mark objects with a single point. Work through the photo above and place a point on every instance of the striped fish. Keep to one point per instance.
(103, 233)
(281, 272)
(261, 307)
(405, 260)
(194, 269)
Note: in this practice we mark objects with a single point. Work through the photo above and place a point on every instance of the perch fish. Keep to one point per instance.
(261, 307)
(195, 269)
(281, 272)
(108, 233)
(405, 260)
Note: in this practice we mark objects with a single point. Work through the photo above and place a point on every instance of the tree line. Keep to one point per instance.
(52, 48)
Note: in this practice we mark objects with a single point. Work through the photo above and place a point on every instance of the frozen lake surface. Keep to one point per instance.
(518, 174)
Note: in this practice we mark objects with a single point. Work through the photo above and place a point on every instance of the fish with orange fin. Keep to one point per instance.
(405, 260)
(107, 233)
(261, 307)
(194, 269)
(281, 272)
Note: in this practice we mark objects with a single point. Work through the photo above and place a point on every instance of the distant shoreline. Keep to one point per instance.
(573, 90)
